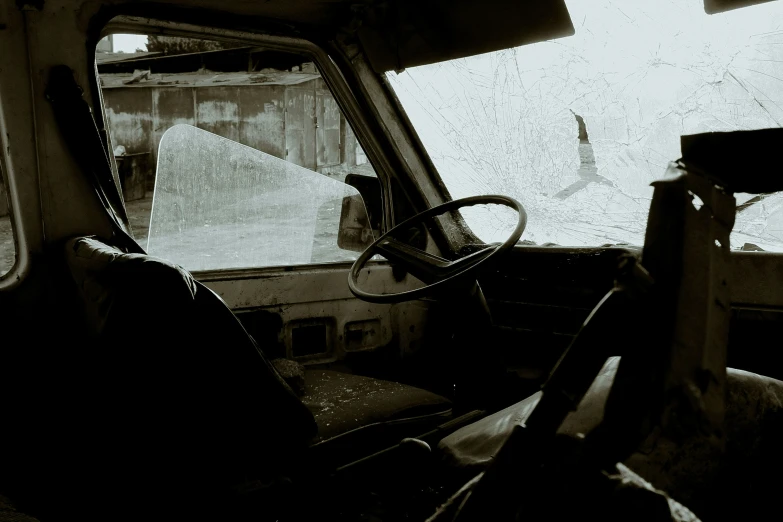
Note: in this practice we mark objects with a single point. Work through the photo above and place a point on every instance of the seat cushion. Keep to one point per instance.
(341, 402)
(475, 445)
(706, 478)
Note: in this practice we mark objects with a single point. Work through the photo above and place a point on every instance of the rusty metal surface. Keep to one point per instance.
(687, 252)
(262, 123)
(110, 81)
(300, 127)
(327, 131)
(131, 119)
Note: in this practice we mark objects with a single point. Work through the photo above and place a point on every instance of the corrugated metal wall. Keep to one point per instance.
(301, 123)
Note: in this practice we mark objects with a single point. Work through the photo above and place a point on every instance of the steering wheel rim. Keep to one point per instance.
(453, 270)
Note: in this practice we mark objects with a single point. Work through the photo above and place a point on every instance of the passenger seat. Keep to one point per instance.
(732, 485)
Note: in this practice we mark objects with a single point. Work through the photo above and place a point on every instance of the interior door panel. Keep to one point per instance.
(308, 314)
(540, 296)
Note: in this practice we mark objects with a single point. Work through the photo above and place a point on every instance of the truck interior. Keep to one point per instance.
(390, 260)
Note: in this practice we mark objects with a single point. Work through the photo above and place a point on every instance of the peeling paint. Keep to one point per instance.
(217, 111)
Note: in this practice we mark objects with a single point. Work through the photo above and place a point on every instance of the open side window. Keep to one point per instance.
(230, 156)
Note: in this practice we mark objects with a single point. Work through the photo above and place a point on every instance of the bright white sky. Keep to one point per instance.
(128, 43)
(640, 73)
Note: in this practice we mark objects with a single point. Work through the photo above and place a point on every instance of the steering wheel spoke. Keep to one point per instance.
(434, 271)
(427, 267)
(466, 262)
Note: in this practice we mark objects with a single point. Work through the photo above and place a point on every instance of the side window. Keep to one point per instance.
(7, 245)
(229, 156)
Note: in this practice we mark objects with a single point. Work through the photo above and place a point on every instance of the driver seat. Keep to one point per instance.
(184, 388)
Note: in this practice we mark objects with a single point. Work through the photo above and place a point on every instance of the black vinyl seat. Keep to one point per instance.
(173, 396)
(181, 389)
(342, 402)
(716, 484)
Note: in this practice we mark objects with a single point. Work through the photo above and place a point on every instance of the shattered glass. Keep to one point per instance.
(637, 75)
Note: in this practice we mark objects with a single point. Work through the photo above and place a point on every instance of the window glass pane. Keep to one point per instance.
(7, 244)
(261, 112)
(219, 204)
(578, 128)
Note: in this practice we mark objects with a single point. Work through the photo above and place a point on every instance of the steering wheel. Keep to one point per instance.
(436, 272)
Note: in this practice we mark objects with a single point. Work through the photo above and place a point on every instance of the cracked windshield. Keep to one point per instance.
(577, 128)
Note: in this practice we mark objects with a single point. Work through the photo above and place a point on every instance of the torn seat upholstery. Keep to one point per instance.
(172, 396)
(716, 483)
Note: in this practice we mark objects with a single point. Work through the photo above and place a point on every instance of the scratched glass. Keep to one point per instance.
(219, 204)
(577, 128)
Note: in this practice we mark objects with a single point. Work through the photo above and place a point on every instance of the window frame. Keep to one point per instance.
(19, 154)
(331, 76)
(10, 277)
(384, 152)
(427, 182)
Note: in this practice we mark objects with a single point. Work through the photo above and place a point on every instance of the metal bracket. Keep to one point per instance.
(687, 251)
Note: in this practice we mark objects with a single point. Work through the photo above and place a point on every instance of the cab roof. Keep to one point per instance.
(395, 34)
